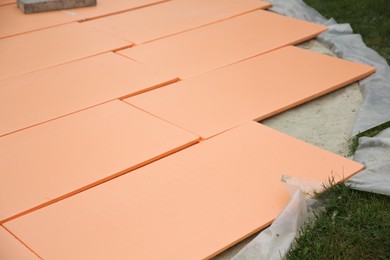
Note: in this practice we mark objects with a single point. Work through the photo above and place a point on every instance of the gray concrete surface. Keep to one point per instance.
(36, 6)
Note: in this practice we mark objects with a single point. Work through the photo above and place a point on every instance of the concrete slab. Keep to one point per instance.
(204, 49)
(147, 24)
(52, 161)
(190, 205)
(254, 89)
(37, 6)
(38, 97)
(51, 47)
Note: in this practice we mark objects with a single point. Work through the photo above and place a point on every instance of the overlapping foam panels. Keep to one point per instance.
(172, 17)
(54, 46)
(13, 249)
(223, 43)
(13, 21)
(253, 89)
(189, 205)
(62, 157)
(37, 97)
(7, 2)
(109, 7)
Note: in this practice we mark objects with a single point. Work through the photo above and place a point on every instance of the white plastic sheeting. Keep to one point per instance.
(374, 153)
(275, 241)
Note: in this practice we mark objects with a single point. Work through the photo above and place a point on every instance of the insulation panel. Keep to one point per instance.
(172, 17)
(223, 43)
(190, 205)
(51, 47)
(38, 97)
(52, 161)
(13, 249)
(253, 89)
(24, 23)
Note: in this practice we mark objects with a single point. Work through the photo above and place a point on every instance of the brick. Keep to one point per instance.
(36, 6)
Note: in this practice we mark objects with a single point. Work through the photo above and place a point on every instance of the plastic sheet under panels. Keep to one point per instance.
(172, 17)
(12, 249)
(34, 98)
(54, 46)
(67, 155)
(223, 43)
(17, 22)
(190, 205)
(253, 89)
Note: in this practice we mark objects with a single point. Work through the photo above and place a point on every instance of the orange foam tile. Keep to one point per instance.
(54, 46)
(13, 249)
(223, 43)
(7, 2)
(189, 205)
(253, 89)
(51, 161)
(34, 98)
(172, 17)
(14, 21)
(109, 7)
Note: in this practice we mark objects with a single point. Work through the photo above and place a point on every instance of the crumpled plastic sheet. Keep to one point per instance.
(341, 40)
(374, 153)
(275, 241)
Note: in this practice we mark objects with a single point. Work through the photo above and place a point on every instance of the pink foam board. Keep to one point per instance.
(54, 46)
(34, 98)
(223, 43)
(250, 90)
(13, 249)
(14, 21)
(190, 205)
(49, 162)
(109, 7)
(172, 17)
(6, 2)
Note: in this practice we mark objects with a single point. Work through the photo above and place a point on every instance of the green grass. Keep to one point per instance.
(354, 225)
(354, 142)
(370, 18)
